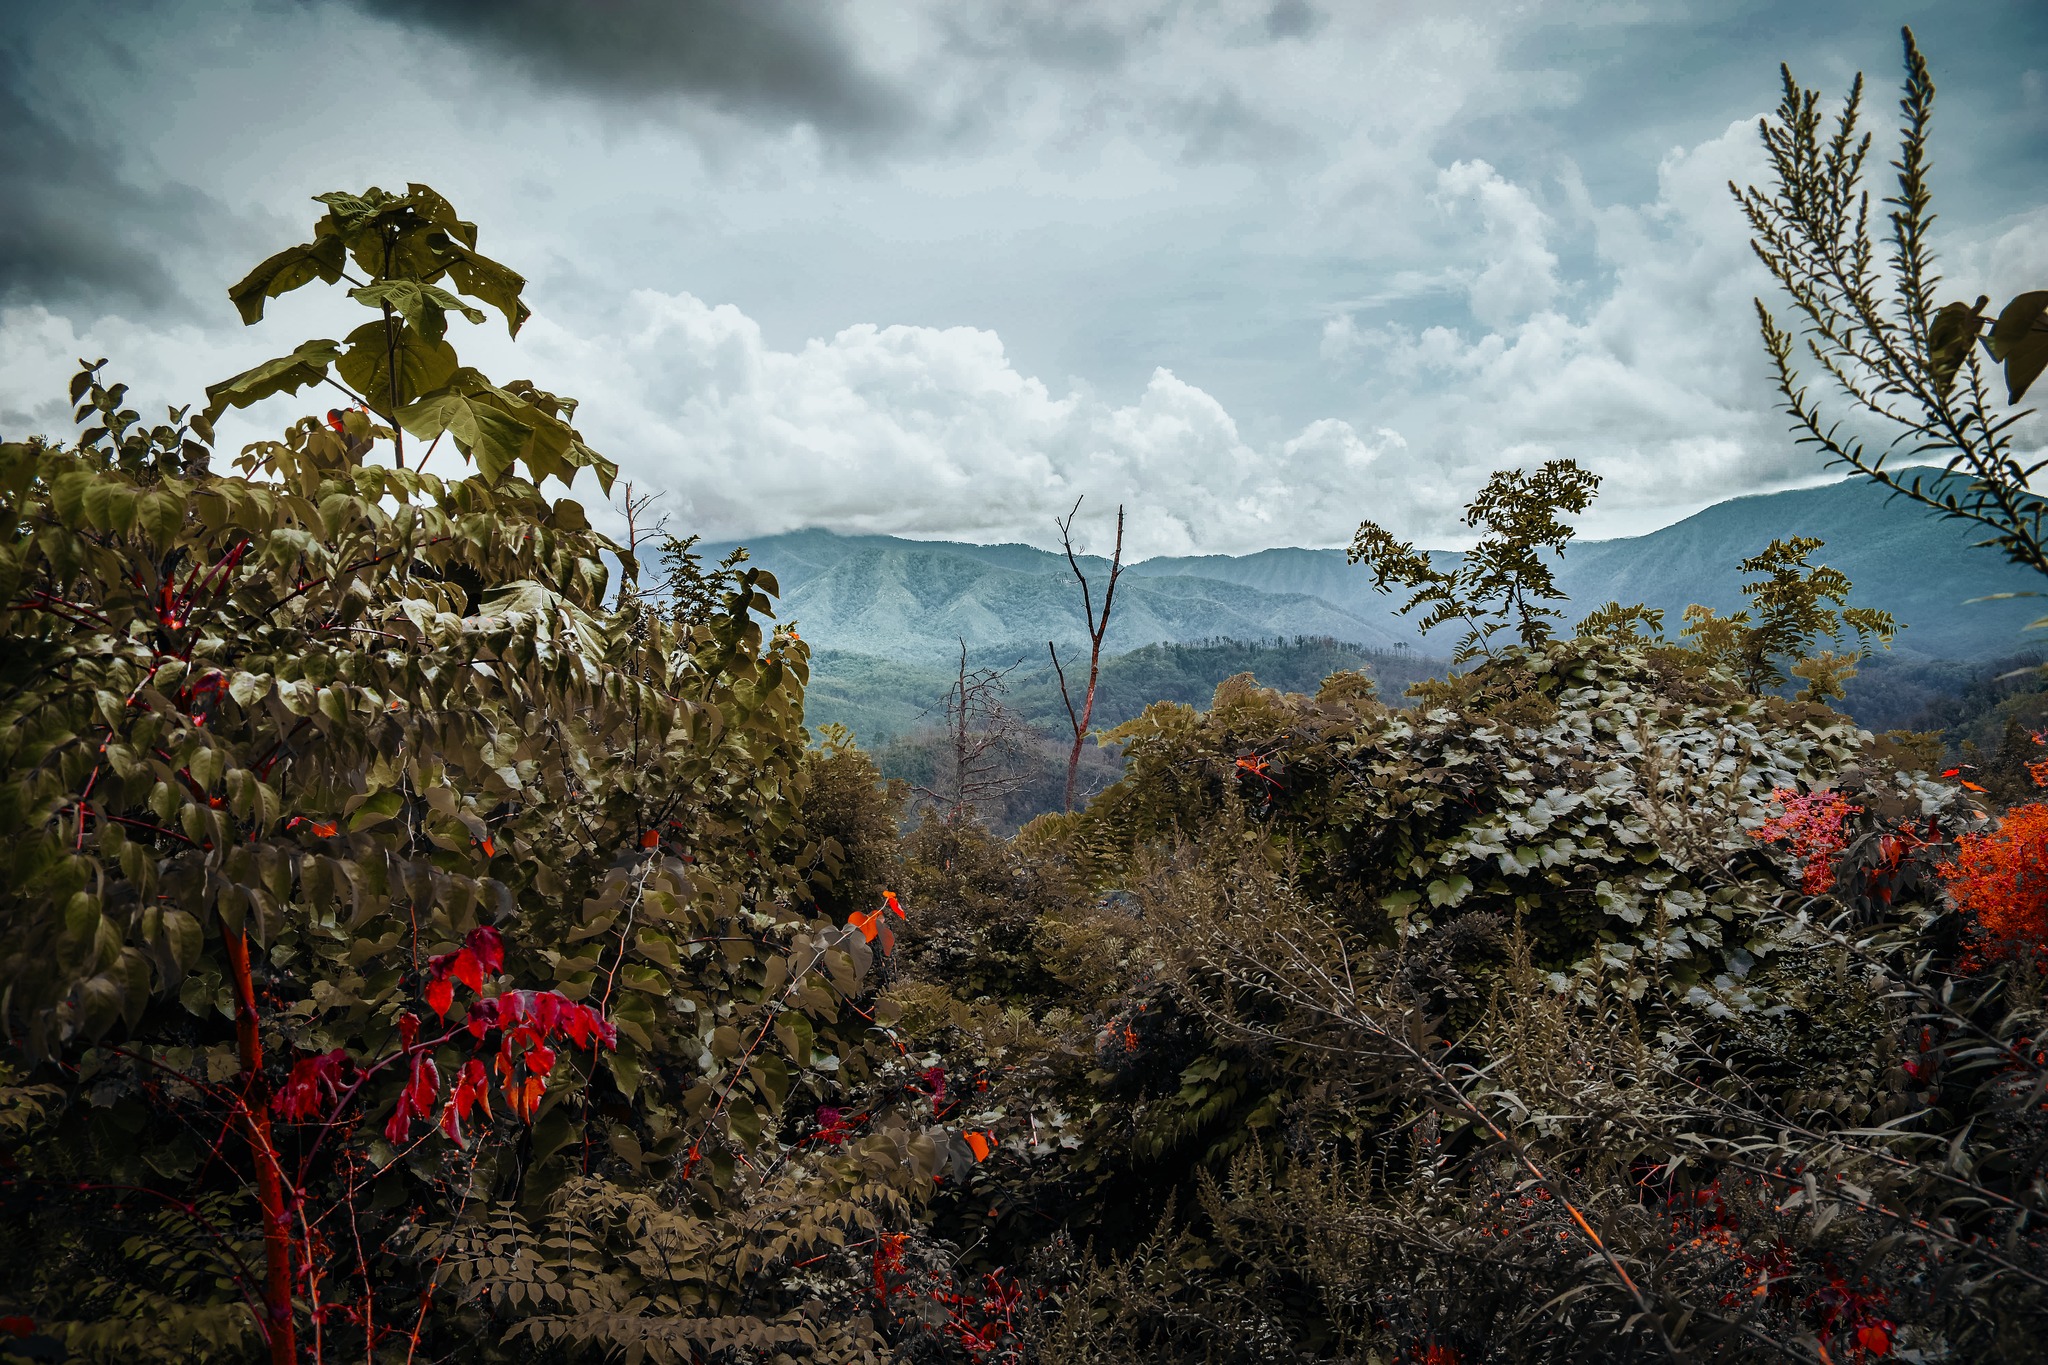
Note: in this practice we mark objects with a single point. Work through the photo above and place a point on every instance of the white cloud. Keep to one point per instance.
(1519, 276)
(934, 432)
(1659, 383)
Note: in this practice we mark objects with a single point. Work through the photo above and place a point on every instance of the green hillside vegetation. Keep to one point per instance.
(880, 699)
(422, 943)
(911, 600)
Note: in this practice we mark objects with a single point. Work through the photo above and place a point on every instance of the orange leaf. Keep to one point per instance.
(1971, 786)
(979, 1144)
(869, 922)
(889, 899)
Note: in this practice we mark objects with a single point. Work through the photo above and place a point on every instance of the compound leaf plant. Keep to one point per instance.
(367, 883)
(415, 262)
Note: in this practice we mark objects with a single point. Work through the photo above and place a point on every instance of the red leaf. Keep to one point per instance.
(408, 1029)
(472, 1090)
(489, 851)
(399, 1125)
(18, 1326)
(451, 1123)
(465, 968)
(483, 1017)
(1875, 1340)
(489, 948)
(650, 839)
(546, 1010)
(540, 1061)
(440, 995)
(889, 899)
(425, 1087)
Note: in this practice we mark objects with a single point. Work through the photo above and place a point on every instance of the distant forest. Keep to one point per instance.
(895, 709)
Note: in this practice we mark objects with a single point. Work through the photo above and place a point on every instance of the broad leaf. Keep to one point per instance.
(421, 366)
(482, 429)
(2019, 339)
(425, 306)
(480, 277)
(286, 374)
(1949, 337)
(319, 259)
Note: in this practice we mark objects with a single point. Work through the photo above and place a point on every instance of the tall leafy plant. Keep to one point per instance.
(1870, 318)
(1505, 582)
(362, 874)
(415, 262)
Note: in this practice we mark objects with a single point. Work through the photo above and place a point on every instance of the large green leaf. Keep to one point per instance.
(480, 277)
(482, 429)
(428, 203)
(319, 259)
(286, 374)
(425, 306)
(421, 366)
(2020, 340)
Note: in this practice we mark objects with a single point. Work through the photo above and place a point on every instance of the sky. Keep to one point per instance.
(1255, 269)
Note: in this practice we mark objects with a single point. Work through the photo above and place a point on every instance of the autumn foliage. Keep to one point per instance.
(1999, 878)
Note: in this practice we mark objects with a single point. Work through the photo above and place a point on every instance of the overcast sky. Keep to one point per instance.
(1256, 268)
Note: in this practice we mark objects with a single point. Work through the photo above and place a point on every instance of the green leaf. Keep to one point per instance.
(480, 277)
(2019, 339)
(183, 937)
(284, 272)
(376, 810)
(425, 306)
(745, 1121)
(1449, 890)
(482, 429)
(286, 374)
(367, 365)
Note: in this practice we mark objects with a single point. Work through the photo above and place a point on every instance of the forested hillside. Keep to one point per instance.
(911, 600)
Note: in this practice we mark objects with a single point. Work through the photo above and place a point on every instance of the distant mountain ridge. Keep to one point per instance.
(915, 600)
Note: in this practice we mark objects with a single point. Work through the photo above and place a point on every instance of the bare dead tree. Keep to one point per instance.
(635, 506)
(1097, 628)
(983, 739)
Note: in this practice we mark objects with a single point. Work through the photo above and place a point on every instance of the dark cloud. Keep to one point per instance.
(776, 61)
(72, 229)
(1291, 19)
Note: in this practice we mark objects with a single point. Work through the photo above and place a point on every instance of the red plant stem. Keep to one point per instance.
(254, 1115)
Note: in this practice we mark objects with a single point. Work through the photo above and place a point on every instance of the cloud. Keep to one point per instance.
(768, 60)
(1520, 274)
(934, 432)
(1660, 384)
(74, 228)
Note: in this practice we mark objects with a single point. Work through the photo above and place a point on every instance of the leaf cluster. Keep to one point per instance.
(1505, 582)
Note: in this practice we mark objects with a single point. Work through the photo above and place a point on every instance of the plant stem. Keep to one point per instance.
(253, 1115)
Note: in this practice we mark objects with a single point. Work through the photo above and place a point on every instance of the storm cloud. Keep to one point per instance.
(770, 60)
(73, 229)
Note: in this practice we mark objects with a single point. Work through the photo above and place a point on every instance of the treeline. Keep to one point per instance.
(1032, 754)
